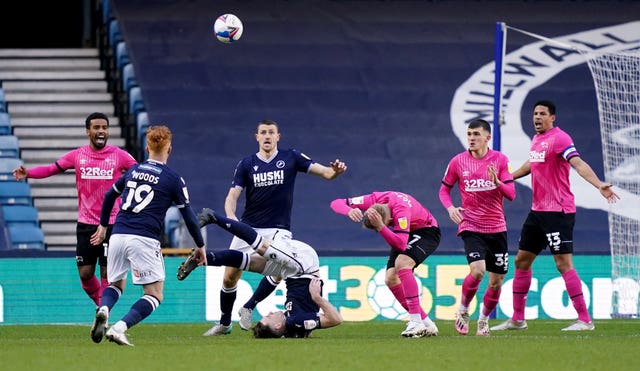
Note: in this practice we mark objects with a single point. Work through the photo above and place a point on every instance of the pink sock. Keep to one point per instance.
(398, 293)
(104, 283)
(469, 289)
(574, 289)
(521, 284)
(411, 291)
(490, 300)
(92, 288)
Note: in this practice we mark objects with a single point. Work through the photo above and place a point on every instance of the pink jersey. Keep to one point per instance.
(96, 171)
(481, 199)
(407, 214)
(549, 160)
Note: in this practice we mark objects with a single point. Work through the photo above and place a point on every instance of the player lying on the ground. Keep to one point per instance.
(295, 261)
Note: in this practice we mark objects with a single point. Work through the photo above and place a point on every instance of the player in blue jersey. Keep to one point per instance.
(294, 261)
(268, 178)
(148, 190)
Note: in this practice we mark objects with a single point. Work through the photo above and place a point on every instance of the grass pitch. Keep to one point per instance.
(375, 345)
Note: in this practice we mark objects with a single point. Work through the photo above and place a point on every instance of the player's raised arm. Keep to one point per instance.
(330, 316)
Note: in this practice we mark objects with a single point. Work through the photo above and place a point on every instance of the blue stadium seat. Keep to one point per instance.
(136, 104)
(20, 215)
(26, 237)
(5, 124)
(107, 13)
(128, 78)
(172, 226)
(15, 193)
(9, 146)
(142, 123)
(3, 101)
(6, 168)
(122, 56)
(115, 35)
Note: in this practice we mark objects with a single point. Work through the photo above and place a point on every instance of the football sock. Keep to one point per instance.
(574, 289)
(228, 258)
(411, 291)
(104, 283)
(227, 298)
(140, 310)
(240, 229)
(469, 289)
(110, 296)
(521, 284)
(265, 288)
(398, 293)
(490, 300)
(92, 288)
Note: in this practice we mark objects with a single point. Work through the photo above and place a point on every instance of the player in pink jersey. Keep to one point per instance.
(413, 236)
(484, 181)
(552, 217)
(97, 166)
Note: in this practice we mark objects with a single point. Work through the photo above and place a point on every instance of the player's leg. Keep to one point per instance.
(475, 251)
(497, 264)
(119, 267)
(145, 256)
(86, 258)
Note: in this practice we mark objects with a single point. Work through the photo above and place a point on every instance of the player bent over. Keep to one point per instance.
(295, 261)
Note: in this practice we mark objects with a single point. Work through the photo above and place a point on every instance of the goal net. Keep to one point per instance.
(617, 81)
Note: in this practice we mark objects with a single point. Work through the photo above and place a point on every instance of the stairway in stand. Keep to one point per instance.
(49, 93)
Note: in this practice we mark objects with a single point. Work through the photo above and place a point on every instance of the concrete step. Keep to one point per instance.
(60, 143)
(52, 75)
(55, 97)
(57, 242)
(33, 132)
(49, 64)
(49, 53)
(57, 228)
(20, 109)
(76, 120)
(66, 179)
(55, 86)
(57, 203)
(58, 215)
(53, 191)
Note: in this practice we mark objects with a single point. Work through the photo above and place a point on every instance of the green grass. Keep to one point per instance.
(375, 345)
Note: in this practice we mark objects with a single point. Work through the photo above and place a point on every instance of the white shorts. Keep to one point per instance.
(291, 259)
(270, 233)
(141, 255)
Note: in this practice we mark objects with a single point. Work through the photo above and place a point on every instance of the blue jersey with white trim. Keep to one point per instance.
(269, 186)
(148, 190)
(300, 310)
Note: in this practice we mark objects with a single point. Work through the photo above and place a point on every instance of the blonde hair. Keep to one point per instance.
(158, 138)
(383, 210)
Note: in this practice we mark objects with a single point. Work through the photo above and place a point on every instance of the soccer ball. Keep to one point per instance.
(382, 300)
(228, 28)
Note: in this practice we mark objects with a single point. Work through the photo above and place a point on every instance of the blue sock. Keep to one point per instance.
(228, 258)
(239, 229)
(227, 298)
(140, 310)
(110, 296)
(265, 288)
